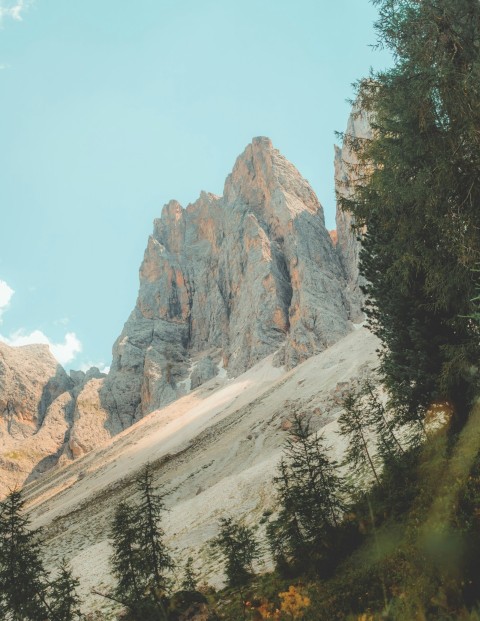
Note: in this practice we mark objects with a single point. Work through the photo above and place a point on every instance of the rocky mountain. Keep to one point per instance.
(40, 412)
(348, 245)
(224, 283)
(228, 281)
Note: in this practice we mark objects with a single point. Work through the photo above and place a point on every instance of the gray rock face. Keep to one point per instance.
(250, 273)
(348, 245)
(205, 370)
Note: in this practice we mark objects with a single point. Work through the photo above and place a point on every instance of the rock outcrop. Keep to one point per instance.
(45, 415)
(35, 408)
(250, 273)
(224, 283)
(348, 245)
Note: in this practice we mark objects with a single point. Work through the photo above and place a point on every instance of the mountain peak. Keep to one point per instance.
(228, 281)
(262, 141)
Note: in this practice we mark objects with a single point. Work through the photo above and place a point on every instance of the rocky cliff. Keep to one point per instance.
(348, 244)
(228, 281)
(42, 414)
(224, 283)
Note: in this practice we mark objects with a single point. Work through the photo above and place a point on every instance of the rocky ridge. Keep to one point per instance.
(224, 283)
(232, 278)
(42, 412)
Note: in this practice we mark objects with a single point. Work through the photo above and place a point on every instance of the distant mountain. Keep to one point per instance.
(38, 409)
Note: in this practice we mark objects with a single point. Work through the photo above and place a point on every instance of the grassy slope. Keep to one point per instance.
(419, 558)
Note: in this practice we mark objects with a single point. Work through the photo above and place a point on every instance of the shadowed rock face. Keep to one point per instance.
(348, 245)
(243, 275)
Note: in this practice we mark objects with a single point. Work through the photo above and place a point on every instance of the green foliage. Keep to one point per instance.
(156, 560)
(311, 496)
(190, 578)
(26, 594)
(126, 559)
(23, 579)
(354, 423)
(65, 603)
(239, 548)
(417, 190)
(368, 427)
(140, 560)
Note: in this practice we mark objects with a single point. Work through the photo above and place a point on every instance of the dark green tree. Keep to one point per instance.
(156, 559)
(239, 548)
(23, 579)
(369, 430)
(416, 188)
(354, 425)
(190, 578)
(140, 560)
(382, 421)
(65, 602)
(312, 499)
(126, 559)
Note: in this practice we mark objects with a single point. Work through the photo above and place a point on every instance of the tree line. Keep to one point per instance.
(306, 534)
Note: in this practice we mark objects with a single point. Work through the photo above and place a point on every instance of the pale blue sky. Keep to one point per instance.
(109, 109)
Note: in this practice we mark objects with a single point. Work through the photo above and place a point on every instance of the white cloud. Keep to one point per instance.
(64, 352)
(6, 293)
(13, 9)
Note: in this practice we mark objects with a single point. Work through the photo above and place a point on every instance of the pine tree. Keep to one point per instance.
(190, 578)
(369, 430)
(237, 544)
(140, 559)
(126, 559)
(311, 495)
(417, 191)
(156, 560)
(383, 423)
(285, 534)
(23, 579)
(354, 424)
(65, 603)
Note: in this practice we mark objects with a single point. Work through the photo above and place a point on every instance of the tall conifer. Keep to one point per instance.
(23, 579)
(417, 190)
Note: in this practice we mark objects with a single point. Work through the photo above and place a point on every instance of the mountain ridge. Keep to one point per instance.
(224, 283)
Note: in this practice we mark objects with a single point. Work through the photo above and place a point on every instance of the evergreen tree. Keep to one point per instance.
(369, 431)
(23, 579)
(140, 559)
(237, 544)
(354, 424)
(190, 578)
(126, 559)
(285, 534)
(156, 560)
(65, 604)
(311, 496)
(383, 423)
(417, 191)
